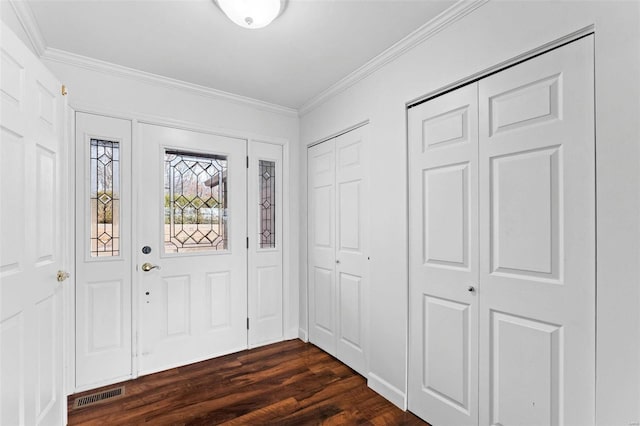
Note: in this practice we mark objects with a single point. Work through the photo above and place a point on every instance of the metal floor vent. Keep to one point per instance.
(97, 398)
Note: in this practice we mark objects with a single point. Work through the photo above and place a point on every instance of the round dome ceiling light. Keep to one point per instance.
(252, 14)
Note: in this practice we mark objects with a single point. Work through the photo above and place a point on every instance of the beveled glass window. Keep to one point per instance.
(105, 198)
(267, 203)
(195, 201)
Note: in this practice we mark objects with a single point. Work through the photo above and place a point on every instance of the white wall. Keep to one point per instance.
(9, 17)
(496, 32)
(130, 98)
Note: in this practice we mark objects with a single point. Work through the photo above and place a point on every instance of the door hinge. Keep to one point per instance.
(63, 90)
(247, 243)
(247, 161)
(247, 323)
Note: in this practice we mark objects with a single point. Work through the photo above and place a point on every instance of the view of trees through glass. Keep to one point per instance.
(105, 198)
(195, 200)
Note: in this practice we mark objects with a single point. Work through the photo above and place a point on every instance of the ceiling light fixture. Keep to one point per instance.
(252, 14)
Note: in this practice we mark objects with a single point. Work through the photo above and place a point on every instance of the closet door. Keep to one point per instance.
(351, 261)
(321, 246)
(443, 215)
(537, 241)
(338, 259)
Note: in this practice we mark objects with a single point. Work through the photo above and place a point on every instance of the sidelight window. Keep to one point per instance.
(267, 203)
(105, 198)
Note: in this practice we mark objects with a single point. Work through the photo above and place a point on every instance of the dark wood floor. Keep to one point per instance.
(288, 383)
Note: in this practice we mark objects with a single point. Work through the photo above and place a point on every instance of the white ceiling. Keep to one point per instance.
(313, 45)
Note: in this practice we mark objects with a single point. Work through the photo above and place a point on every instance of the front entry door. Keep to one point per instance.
(192, 254)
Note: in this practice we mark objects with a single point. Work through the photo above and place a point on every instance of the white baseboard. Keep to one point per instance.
(302, 335)
(387, 390)
(291, 333)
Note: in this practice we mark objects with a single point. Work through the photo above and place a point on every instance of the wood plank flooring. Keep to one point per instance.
(287, 383)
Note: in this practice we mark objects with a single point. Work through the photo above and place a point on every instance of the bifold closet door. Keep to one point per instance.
(443, 238)
(321, 242)
(338, 259)
(537, 241)
(521, 347)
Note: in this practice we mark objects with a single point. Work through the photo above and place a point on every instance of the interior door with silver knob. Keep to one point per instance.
(192, 268)
(443, 263)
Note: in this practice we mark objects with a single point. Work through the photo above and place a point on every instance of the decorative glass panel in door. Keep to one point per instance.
(105, 198)
(267, 186)
(195, 201)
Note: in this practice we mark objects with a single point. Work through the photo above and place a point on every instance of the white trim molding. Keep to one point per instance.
(302, 335)
(387, 390)
(64, 57)
(27, 20)
(426, 31)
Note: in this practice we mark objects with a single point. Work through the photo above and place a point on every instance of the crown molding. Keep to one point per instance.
(426, 31)
(64, 57)
(28, 21)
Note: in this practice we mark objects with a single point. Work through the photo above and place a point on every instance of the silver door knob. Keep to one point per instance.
(471, 289)
(147, 267)
(62, 275)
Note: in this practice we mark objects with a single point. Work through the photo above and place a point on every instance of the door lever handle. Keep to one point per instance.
(147, 267)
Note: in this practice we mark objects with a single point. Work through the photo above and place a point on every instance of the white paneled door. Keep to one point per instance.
(537, 241)
(31, 240)
(338, 247)
(192, 258)
(265, 243)
(103, 250)
(502, 266)
(443, 357)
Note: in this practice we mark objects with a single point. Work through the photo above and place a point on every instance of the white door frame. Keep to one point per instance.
(137, 119)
